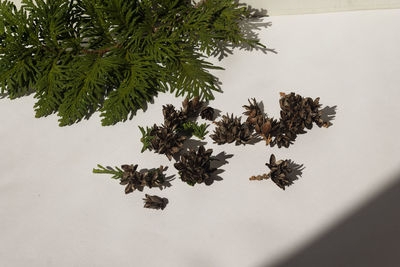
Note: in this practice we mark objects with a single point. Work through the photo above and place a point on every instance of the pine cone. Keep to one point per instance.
(154, 178)
(230, 129)
(191, 109)
(172, 117)
(267, 128)
(131, 178)
(299, 113)
(207, 113)
(195, 167)
(135, 180)
(279, 172)
(283, 139)
(166, 141)
(155, 202)
(253, 112)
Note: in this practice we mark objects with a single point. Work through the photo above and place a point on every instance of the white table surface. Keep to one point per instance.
(55, 212)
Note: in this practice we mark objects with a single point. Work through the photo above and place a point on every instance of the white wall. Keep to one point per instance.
(287, 7)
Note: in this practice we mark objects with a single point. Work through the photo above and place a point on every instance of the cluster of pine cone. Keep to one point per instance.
(194, 166)
(168, 138)
(137, 180)
(297, 114)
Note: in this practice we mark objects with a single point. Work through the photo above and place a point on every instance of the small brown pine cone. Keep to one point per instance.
(230, 129)
(172, 117)
(280, 171)
(166, 141)
(192, 108)
(155, 202)
(207, 113)
(195, 166)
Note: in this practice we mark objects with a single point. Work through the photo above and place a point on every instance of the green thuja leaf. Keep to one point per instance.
(196, 129)
(146, 138)
(50, 87)
(116, 172)
(141, 82)
(87, 87)
(114, 56)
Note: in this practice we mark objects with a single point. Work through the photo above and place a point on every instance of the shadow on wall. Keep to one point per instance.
(369, 237)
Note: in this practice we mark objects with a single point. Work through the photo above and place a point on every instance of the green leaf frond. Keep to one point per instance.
(115, 172)
(87, 86)
(115, 56)
(146, 138)
(196, 129)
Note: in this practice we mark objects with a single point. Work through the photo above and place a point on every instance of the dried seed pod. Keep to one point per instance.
(230, 129)
(299, 113)
(131, 178)
(134, 180)
(195, 166)
(155, 202)
(172, 117)
(264, 126)
(207, 113)
(283, 139)
(154, 177)
(280, 171)
(192, 108)
(267, 128)
(166, 141)
(253, 111)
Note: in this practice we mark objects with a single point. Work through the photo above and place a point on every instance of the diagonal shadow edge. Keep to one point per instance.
(368, 237)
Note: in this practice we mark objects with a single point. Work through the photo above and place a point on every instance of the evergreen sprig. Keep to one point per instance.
(146, 138)
(196, 129)
(116, 172)
(114, 56)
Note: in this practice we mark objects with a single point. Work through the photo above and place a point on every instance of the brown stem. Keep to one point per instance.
(265, 176)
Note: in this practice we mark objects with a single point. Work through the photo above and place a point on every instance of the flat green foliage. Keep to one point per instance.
(113, 56)
(116, 172)
(196, 129)
(146, 137)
